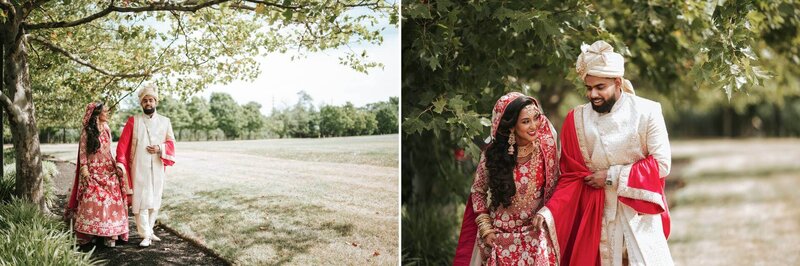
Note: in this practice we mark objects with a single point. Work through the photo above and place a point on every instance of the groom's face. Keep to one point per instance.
(602, 93)
(149, 103)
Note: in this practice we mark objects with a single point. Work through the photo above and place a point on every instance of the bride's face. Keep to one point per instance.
(527, 123)
(103, 117)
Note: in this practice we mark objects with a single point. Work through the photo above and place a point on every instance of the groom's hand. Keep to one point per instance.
(153, 149)
(597, 180)
(119, 172)
(538, 221)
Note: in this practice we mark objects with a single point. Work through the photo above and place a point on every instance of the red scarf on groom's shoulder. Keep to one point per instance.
(577, 208)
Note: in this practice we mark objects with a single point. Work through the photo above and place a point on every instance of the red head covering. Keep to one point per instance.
(500, 108)
(89, 110)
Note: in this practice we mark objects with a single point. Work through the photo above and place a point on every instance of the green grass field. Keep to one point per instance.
(294, 201)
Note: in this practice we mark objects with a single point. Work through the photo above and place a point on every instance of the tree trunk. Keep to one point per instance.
(22, 118)
(779, 129)
(727, 121)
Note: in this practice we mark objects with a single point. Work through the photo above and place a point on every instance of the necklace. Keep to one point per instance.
(527, 150)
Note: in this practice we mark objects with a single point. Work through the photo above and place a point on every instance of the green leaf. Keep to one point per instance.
(760, 73)
(393, 17)
(433, 62)
(416, 10)
(457, 104)
(439, 105)
(261, 9)
(287, 15)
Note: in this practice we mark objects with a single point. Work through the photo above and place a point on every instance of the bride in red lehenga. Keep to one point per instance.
(97, 205)
(515, 177)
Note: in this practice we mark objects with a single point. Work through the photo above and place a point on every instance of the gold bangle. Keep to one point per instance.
(485, 230)
(483, 218)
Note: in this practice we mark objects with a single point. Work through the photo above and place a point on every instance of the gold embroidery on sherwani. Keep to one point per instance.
(618, 139)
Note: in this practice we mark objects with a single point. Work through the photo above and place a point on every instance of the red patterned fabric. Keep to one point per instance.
(97, 206)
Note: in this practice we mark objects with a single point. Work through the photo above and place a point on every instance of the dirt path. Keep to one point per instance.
(172, 250)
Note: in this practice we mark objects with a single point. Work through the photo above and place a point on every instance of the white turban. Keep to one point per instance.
(600, 60)
(148, 90)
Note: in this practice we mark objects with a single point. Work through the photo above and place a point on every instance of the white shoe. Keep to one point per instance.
(111, 243)
(145, 243)
(154, 237)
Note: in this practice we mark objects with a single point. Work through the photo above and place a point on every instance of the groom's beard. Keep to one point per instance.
(149, 111)
(606, 106)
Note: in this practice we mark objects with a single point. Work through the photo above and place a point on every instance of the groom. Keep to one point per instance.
(608, 207)
(146, 147)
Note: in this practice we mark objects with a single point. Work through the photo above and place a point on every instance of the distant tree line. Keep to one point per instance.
(303, 120)
(221, 118)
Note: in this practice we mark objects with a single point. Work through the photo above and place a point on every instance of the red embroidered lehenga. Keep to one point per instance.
(97, 205)
(517, 242)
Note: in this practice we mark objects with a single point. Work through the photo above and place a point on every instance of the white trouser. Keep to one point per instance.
(145, 220)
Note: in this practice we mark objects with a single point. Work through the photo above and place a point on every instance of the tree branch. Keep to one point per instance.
(30, 5)
(192, 6)
(363, 4)
(12, 109)
(39, 3)
(273, 4)
(112, 8)
(78, 60)
(243, 7)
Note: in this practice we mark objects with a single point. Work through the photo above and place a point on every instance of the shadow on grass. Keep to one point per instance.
(230, 223)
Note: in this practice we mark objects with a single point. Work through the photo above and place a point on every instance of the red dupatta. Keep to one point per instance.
(576, 208)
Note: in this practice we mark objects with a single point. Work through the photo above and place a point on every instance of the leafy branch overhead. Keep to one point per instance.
(109, 48)
(457, 55)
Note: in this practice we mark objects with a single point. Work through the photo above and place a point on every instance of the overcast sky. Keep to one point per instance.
(322, 77)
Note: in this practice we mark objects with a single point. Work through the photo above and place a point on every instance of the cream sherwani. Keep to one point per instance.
(633, 129)
(147, 171)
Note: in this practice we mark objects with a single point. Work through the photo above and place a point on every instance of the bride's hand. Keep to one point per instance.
(489, 239)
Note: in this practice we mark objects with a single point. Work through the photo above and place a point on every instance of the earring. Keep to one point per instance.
(512, 139)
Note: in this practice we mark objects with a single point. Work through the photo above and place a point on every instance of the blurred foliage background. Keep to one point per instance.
(718, 68)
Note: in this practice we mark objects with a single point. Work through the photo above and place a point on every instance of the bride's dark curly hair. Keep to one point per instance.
(92, 131)
(499, 163)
